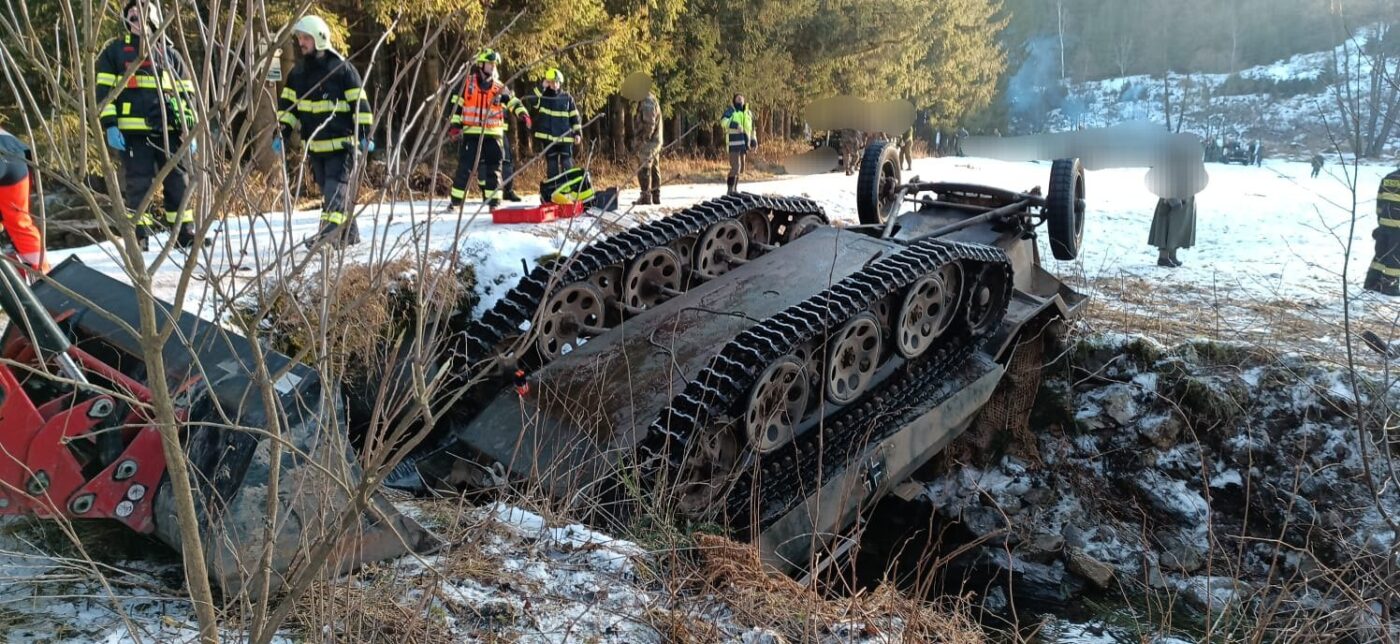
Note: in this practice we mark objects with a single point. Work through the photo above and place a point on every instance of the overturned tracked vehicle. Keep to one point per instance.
(743, 362)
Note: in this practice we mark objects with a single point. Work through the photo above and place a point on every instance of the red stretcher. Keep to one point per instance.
(536, 214)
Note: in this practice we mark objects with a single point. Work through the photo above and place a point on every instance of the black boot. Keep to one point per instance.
(733, 184)
(655, 196)
(644, 180)
(510, 193)
(1381, 283)
(185, 237)
(330, 233)
(143, 238)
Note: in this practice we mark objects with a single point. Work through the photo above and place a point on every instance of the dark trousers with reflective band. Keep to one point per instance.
(558, 158)
(507, 163)
(145, 156)
(1387, 261)
(487, 166)
(332, 172)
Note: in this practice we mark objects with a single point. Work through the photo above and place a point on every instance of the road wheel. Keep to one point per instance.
(877, 186)
(1064, 208)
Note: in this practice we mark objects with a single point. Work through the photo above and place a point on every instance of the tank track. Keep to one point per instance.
(474, 341)
(517, 307)
(792, 471)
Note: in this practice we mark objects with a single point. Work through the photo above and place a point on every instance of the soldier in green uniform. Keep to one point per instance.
(647, 142)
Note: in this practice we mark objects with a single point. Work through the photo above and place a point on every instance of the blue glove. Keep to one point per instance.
(115, 140)
(367, 145)
(277, 145)
(194, 147)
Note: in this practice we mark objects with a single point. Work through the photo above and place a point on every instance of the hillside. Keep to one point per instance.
(1290, 104)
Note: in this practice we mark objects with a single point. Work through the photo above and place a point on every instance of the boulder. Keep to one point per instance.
(1097, 572)
(1184, 550)
(1214, 593)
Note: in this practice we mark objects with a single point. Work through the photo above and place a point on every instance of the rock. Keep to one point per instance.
(761, 636)
(1213, 593)
(1039, 495)
(1184, 550)
(982, 521)
(995, 600)
(1036, 585)
(1097, 572)
(1162, 430)
(1042, 547)
(1119, 405)
(1172, 498)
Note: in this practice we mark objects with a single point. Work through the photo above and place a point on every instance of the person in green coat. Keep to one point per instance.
(1173, 227)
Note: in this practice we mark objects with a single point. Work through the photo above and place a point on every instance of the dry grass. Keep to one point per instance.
(760, 596)
(377, 609)
(1174, 313)
(360, 307)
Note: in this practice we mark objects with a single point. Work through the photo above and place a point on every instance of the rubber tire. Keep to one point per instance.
(1064, 208)
(877, 155)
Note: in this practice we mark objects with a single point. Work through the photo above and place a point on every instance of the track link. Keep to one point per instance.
(709, 402)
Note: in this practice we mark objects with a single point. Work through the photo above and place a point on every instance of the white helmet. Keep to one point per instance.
(317, 28)
(150, 10)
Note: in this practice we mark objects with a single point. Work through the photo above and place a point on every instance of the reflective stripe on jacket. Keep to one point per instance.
(481, 110)
(325, 97)
(739, 124)
(556, 116)
(158, 94)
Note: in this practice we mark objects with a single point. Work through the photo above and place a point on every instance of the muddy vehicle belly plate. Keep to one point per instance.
(587, 402)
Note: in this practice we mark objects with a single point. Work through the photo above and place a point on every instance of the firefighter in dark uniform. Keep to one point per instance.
(1384, 276)
(558, 128)
(478, 117)
(325, 97)
(148, 117)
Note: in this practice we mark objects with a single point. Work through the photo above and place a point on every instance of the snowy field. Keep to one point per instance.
(1267, 267)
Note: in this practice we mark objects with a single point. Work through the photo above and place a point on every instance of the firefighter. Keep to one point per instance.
(14, 203)
(148, 117)
(324, 95)
(646, 127)
(558, 127)
(738, 123)
(1384, 275)
(1317, 162)
(478, 117)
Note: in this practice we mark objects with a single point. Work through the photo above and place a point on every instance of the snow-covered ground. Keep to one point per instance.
(1267, 265)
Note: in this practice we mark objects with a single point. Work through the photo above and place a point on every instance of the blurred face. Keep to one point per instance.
(134, 22)
(488, 69)
(305, 43)
(554, 85)
(739, 101)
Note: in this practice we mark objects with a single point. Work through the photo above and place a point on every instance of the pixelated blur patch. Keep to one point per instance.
(816, 161)
(852, 113)
(1175, 161)
(636, 86)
